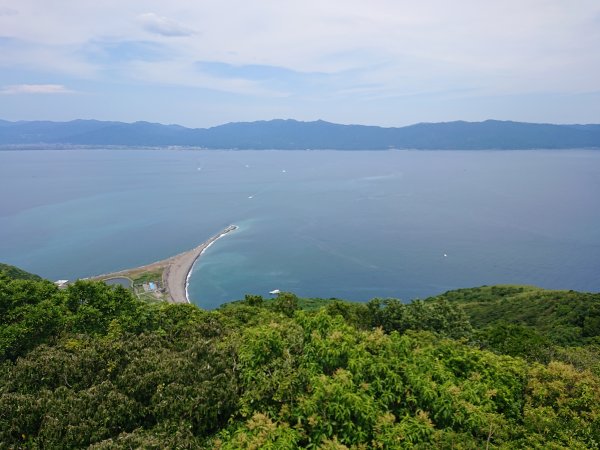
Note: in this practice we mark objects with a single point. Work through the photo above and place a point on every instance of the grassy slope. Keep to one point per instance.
(566, 317)
(17, 274)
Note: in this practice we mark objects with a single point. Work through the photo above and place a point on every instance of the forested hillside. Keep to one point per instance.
(296, 135)
(16, 273)
(497, 367)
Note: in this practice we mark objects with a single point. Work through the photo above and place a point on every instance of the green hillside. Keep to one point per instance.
(93, 367)
(16, 273)
(537, 324)
(567, 317)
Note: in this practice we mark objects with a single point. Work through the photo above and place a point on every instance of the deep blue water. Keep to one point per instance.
(354, 225)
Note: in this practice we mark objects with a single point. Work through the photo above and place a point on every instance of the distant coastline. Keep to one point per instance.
(297, 135)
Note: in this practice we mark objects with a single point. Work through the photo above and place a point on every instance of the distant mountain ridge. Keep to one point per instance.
(292, 134)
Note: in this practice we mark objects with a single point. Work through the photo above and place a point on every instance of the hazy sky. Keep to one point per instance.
(384, 62)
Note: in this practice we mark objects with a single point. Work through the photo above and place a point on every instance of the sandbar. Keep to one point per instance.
(175, 270)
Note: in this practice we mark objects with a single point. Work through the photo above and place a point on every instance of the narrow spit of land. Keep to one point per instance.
(173, 271)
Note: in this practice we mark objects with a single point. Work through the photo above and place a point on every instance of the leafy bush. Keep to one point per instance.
(91, 366)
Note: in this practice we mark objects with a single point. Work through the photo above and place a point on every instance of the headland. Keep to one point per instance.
(166, 279)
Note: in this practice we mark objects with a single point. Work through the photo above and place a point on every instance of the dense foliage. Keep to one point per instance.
(16, 273)
(534, 323)
(90, 366)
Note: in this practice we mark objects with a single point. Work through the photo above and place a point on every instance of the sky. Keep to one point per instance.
(377, 62)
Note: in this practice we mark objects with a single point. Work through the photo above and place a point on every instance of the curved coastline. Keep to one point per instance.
(176, 270)
(177, 273)
(205, 246)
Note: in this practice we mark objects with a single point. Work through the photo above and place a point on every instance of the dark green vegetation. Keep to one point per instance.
(91, 366)
(292, 134)
(16, 273)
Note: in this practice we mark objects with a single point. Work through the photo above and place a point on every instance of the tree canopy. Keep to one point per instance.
(91, 366)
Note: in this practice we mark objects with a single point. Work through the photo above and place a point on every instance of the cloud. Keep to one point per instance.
(358, 57)
(293, 83)
(8, 12)
(164, 26)
(35, 89)
(181, 73)
(116, 52)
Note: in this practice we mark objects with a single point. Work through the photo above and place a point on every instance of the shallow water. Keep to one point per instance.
(324, 223)
(125, 282)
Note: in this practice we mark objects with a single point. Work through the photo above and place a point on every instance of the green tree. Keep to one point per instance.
(253, 300)
(286, 303)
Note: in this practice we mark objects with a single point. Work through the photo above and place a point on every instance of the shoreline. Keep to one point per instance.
(176, 270)
(207, 244)
(203, 247)
(176, 274)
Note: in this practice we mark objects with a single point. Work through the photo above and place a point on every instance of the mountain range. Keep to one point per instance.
(291, 134)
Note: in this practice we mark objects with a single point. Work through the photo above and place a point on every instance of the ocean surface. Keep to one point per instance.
(354, 225)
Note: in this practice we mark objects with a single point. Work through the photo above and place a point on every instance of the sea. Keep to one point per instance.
(332, 224)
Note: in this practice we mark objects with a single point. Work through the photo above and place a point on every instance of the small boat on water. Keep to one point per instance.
(274, 292)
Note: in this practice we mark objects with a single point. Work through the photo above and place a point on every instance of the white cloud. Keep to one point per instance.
(180, 73)
(369, 51)
(510, 40)
(35, 89)
(8, 11)
(164, 26)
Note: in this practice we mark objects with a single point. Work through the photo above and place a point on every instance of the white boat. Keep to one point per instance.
(274, 292)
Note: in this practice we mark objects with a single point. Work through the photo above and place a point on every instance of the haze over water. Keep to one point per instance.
(353, 225)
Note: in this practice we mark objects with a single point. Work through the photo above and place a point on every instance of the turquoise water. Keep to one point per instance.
(354, 225)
